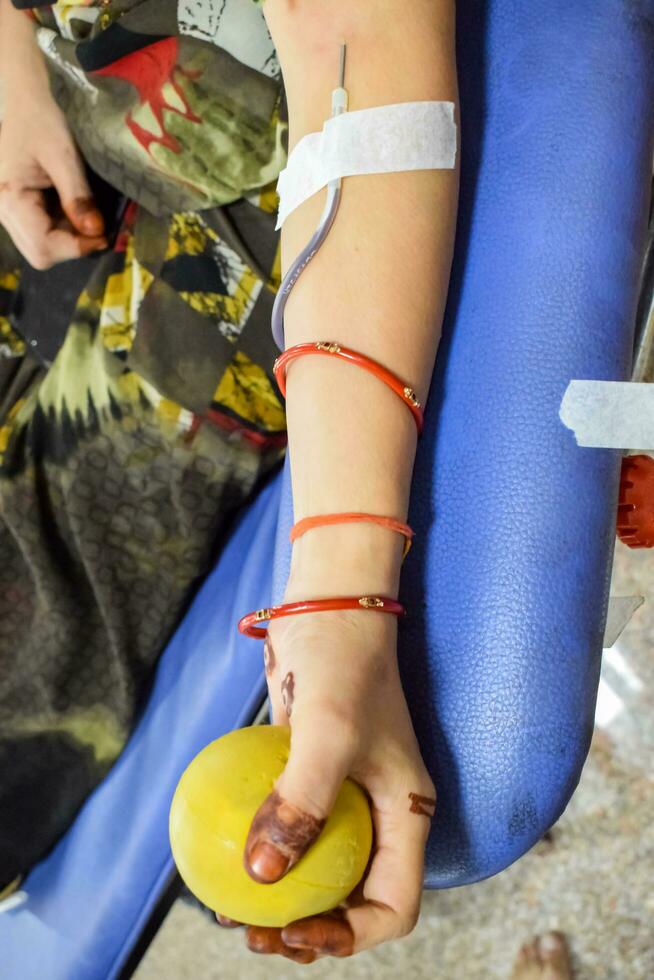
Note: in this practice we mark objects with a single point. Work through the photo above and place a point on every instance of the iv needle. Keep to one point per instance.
(342, 69)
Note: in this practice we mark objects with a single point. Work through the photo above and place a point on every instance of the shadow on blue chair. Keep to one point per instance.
(506, 585)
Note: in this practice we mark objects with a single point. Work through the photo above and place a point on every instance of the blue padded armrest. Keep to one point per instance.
(89, 899)
(506, 584)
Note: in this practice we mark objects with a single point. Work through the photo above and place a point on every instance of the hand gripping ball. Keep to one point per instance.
(210, 816)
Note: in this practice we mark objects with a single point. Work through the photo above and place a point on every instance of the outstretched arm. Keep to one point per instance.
(378, 285)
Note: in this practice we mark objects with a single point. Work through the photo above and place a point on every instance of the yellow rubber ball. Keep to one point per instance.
(210, 816)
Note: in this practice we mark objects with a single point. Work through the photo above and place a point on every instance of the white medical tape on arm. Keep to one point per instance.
(383, 139)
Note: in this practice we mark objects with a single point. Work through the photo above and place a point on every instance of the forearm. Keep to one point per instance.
(378, 284)
(20, 57)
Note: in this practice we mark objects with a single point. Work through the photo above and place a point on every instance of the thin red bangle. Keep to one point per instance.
(349, 517)
(374, 603)
(330, 348)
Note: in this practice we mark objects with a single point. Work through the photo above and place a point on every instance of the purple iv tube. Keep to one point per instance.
(339, 105)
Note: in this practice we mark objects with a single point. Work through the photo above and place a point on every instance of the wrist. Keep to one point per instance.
(345, 559)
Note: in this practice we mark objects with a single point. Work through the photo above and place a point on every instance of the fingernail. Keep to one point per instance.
(92, 225)
(265, 863)
(91, 222)
(292, 830)
(92, 245)
(302, 956)
(227, 923)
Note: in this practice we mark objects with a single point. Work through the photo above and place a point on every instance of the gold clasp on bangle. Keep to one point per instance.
(329, 345)
(410, 394)
(371, 602)
(262, 614)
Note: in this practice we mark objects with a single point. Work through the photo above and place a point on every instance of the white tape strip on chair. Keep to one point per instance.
(610, 414)
(621, 609)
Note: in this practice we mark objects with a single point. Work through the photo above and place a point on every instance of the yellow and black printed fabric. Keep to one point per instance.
(177, 103)
(123, 459)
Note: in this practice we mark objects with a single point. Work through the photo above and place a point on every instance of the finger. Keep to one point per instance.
(63, 245)
(67, 173)
(84, 215)
(391, 892)
(23, 214)
(262, 939)
(324, 935)
(227, 923)
(41, 242)
(293, 815)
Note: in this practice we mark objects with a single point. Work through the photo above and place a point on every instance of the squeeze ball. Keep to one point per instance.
(210, 816)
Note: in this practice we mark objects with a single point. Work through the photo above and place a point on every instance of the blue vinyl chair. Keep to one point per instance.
(507, 583)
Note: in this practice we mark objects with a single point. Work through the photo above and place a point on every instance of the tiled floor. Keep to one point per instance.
(593, 880)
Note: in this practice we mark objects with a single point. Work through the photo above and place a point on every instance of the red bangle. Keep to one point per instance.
(372, 602)
(330, 348)
(349, 517)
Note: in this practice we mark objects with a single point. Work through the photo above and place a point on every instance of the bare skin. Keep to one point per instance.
(543, 958)
(335, 680)
(325, 935)
(227, 923)
(268, 657)
(286, 831)
(288, 692)
(38, 155)
(279, 835)
(352, 442)
(385, 761)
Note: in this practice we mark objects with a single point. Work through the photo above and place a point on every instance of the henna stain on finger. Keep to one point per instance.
(4, 186)
(269, 659)
(267, 940)
(327, 935)
(279, 836)
(288, 692)
(423, 805)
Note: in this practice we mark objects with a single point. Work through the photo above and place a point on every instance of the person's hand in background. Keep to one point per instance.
(46, 204)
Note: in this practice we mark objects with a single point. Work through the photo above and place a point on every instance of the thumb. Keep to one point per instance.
(291, 818)
(67, 174)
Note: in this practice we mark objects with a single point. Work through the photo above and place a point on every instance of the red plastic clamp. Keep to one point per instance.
(635, 525)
